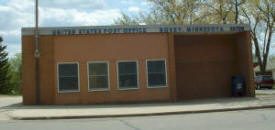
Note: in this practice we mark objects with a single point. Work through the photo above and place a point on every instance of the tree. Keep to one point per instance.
(4, 68)
(172, 10)
(15, 73)
(223, 11)
(166, 12)
(219, 11)
(260, 16)
(237, 4)
(126, 20)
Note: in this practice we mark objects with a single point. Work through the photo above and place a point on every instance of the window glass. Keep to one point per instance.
(127, 67)
(68, 70)
(156, 73)
(127, 72)
(68, 77)
(98, 68)
(98, 76)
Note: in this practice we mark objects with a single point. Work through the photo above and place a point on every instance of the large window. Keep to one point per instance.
(68, 80)
(156, 73)
(127, 75)
(98, 76)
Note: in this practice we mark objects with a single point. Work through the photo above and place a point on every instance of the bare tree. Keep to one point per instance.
(169, 12)
(260, 16)
(237, 4)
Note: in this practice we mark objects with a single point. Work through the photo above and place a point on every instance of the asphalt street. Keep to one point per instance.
(261, 119)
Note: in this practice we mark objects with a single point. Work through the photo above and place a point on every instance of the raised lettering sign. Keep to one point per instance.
(137, 29)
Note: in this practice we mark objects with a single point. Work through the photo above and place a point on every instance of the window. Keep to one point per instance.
(156, 73)
(127, 75)
(98, 76)
(68, 79)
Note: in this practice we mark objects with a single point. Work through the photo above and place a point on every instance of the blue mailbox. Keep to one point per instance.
(238, 86)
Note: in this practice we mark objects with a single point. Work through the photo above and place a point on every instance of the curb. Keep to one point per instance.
(143, 114)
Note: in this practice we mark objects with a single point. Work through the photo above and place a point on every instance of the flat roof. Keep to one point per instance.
(206, 28)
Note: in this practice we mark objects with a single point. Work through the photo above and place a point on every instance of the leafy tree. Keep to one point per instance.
(4, 68)
(126, 20)
(15, 73)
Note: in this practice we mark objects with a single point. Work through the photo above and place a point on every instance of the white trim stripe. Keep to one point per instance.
(211, 28)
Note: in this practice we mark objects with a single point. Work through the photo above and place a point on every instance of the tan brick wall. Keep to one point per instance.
(245, 62)
(28, 65)
(205, 64)
(209, 57)
(47, 64)
(46, 70)
(85, 48)
(172, 67)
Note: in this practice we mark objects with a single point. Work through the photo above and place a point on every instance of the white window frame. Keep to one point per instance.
(108, 74)
(78, 80)
(160, 86)
(137, 65)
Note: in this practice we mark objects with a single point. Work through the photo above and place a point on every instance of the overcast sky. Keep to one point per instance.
(15, 14)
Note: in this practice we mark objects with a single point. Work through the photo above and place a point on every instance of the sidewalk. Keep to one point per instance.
(21, 112)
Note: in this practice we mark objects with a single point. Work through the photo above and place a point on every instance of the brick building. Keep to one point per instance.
(113, 64)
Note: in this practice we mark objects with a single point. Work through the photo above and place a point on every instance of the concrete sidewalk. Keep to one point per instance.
(21, 112)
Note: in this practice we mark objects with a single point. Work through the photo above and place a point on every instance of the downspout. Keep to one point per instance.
(37, 55)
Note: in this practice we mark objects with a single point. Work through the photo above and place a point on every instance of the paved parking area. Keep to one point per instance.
(10, 100)
(6, 102)
(16, 100)
(265, 91)
(11, 107)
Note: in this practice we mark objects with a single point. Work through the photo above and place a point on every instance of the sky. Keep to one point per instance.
(15, 14)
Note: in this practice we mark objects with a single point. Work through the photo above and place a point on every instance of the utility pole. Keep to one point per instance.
(37, 55)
